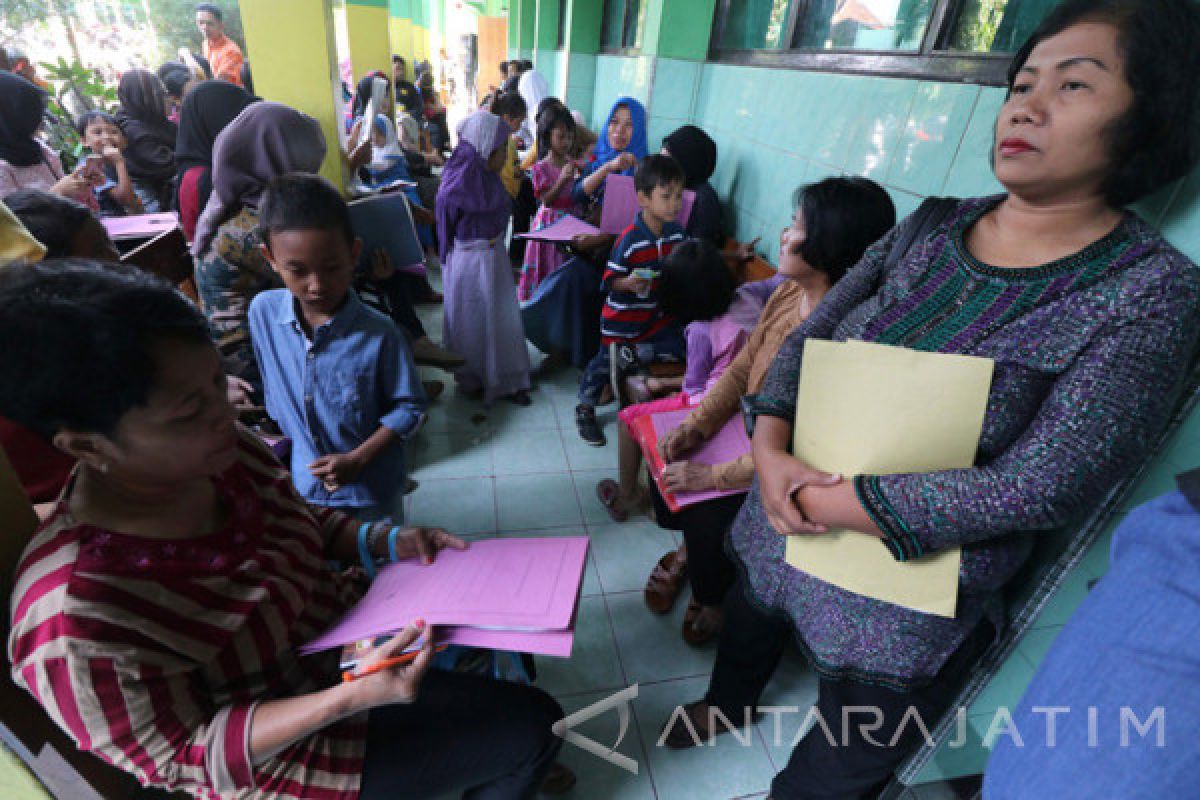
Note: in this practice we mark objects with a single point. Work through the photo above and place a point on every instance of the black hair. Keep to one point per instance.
(300, 201)
(247, 77)
(696, 283)
(78, 339)
(211, 9)
(204, 65)
(88, 117)
(843, 216)
(526, 65)
(510, 104)
(504, 67)
(398, 59)
(551, 118)
(174, 77)
(657, 170)
(52, 219)
(1158, 139)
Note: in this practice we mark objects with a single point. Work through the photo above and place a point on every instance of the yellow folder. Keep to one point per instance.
(870, 409)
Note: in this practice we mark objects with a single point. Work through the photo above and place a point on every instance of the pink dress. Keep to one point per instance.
(543, 258)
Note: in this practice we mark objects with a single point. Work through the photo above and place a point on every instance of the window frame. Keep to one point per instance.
(931, 61)
(622, 49)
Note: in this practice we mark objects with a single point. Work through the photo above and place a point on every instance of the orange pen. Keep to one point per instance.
(388, 663)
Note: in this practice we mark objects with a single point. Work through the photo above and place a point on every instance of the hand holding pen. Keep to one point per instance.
(389, 675)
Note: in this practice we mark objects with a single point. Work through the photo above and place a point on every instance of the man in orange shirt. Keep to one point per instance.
(223, 54)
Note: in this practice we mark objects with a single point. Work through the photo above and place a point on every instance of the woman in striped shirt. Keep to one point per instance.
(157, 612)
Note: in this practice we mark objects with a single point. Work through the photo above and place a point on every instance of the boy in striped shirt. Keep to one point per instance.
(632, 325)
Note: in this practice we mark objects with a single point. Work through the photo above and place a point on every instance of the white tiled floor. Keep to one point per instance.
(510, 471)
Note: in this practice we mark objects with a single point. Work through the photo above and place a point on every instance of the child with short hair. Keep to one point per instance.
(553, 176)
(102, 137)
(338, 376)
(633, 327)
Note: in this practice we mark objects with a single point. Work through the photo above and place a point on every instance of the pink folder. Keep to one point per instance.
(139, 225)
(621, 205)
(729, 443)
(564, 230)
(519, 586)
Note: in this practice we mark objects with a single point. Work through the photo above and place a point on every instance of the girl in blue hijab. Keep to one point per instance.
(621, 146)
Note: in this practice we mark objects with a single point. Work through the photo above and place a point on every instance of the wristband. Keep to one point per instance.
(392, 534)
(364, 555)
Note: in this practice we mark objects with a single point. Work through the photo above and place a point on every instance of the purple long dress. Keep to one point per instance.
(482, 320)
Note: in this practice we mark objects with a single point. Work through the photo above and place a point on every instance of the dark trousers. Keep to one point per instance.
(863, 759)
(525, 205)
(704, 527)
(396, 298)
(666, 345)
(489, 739)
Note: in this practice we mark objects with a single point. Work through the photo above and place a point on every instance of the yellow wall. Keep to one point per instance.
(367, 32)
(401, 31)
(291, 45)
(420, 35)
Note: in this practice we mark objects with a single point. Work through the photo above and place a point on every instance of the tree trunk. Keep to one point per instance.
(153, 31)
(64, 16)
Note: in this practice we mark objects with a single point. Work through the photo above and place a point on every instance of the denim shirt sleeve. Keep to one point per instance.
(404, 400)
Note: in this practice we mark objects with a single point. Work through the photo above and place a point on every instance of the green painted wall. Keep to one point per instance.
(545, 36)
(678, 28)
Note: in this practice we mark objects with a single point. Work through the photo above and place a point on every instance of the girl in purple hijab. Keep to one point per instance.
(482, 320)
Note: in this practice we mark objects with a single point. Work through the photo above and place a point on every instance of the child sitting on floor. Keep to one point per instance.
(633, 327)
(553, 176)
(338, 377)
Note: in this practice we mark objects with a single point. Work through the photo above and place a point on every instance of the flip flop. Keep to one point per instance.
(665, 583)
(607, 492)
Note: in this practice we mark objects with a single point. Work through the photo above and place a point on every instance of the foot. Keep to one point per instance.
(701, 624)
(428, 354)
(433, 389)
(588, 427)
(520, 398)
(678, 736)
(666, 582)
(559, 780)
(608, 492)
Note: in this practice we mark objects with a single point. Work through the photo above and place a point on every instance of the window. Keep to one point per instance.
(996, 26)
(964, 40)
(562, 25)
(623, 21)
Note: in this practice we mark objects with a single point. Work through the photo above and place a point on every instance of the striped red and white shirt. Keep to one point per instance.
(627, 316)
(152, 654)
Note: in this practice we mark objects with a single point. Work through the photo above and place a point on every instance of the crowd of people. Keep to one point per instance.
(233, 475)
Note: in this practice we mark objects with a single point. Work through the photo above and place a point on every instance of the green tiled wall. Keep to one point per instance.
(551, 64)
(618, 76)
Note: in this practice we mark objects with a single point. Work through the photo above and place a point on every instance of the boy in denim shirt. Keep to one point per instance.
(338, 377)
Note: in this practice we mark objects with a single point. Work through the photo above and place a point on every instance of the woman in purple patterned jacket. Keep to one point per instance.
(1091, 318)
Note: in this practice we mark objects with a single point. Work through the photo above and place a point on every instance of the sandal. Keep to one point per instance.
(697, 635)
(665, 583)
(607, 492)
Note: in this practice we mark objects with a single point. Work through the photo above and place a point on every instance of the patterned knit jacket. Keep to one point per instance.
(1090, 352)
